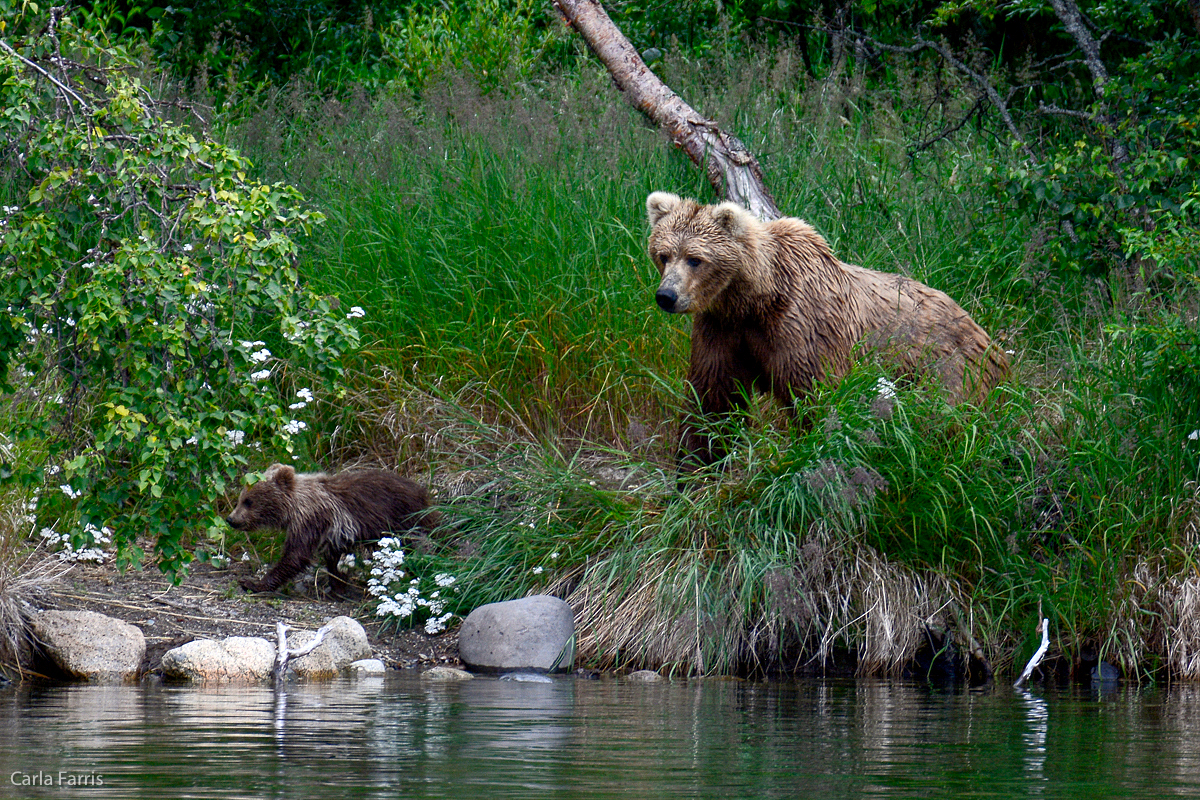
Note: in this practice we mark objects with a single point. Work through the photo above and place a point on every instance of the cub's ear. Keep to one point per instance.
(283, 475)
(659, 204)
(733, 219)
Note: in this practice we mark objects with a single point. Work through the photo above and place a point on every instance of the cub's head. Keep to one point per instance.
(266, 504)
(699, 250)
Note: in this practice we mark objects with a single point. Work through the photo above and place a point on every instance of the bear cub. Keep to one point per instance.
(331, 514)
(773, 310)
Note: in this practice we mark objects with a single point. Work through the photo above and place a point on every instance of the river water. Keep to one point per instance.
(403, 737)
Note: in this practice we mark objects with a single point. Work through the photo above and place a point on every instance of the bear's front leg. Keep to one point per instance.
(721, 374)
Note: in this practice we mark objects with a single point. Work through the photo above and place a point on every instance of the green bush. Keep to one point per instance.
(151, 300)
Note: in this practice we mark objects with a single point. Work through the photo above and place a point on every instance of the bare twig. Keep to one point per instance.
(979, 80)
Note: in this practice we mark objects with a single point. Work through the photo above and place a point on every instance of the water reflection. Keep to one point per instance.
(402, 737)
(1038, 715)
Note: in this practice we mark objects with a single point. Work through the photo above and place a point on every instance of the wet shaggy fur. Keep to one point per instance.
(328, 513)
(774, 310)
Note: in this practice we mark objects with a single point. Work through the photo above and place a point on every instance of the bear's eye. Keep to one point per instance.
(662, 258)
(248, 502)
(693, 262)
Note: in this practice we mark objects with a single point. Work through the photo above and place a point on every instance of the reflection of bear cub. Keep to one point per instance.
(773, 310)
(327, 512)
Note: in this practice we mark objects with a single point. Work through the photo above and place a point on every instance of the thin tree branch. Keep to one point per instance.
(980, 81)
(1070, 16)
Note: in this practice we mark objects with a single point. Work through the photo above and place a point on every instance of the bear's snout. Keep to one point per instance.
(666, 299)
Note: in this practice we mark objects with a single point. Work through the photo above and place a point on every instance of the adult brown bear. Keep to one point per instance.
(328, 513)
(774, 310)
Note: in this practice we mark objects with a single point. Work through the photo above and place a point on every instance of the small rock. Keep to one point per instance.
(534, 633)
(526, 677)
(367, 666)
(447, 674)
(88, 645)
(237, 658)
(644, 676)
(345, 642)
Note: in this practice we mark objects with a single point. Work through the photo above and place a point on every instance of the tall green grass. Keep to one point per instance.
(517, 360)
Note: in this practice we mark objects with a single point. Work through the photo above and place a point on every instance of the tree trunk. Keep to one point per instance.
(732, 169)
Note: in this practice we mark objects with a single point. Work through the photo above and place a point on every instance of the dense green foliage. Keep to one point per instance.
(140, 264)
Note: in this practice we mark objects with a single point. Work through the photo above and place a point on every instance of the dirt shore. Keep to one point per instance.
(208, 604)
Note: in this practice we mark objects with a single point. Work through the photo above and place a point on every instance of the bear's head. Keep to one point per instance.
(266, 504)
(698, 250)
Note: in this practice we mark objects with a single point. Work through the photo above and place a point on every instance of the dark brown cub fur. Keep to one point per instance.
(330, 513)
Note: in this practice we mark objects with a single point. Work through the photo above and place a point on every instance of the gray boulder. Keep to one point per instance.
(345, 642)
(237, 658)
(533, 633)
(88, 645)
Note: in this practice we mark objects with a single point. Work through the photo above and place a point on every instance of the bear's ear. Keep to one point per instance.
(659, 204)
(283, 475)
(732, 218)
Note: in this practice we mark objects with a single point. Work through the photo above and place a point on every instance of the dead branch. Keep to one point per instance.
(731, 168)
(283, 655)
(1068, 13)
(1043, 628)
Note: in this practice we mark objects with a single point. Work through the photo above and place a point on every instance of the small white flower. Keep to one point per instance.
(187, 248)
(885, 388)
(1194, 435)
(356, 312)
(260, 356)
(297, 406)
(237, 437)
(305, 394)
(444, 579)
(538, 570)
(192, 439)
(261, 375)
(553, 556)
(294, 426)
(69, 492)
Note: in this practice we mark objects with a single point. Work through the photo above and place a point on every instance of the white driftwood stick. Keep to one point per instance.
(283, 655)
(1044, 626)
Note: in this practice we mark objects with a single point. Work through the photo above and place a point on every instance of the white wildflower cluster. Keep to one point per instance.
(306, 397)
(294, 426)
(70, 492)
(27, 511)
(67, 551)
(237, 437)
(885, 389)
(406, 601)
(356, 312)
(261, 375)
